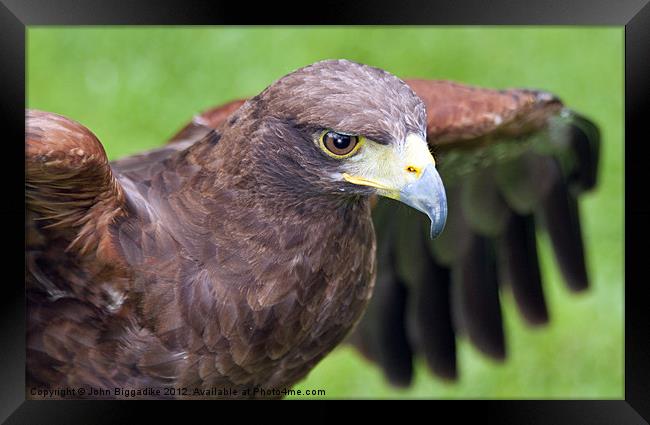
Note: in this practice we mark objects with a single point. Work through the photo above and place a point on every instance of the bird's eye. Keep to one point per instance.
(339, 145)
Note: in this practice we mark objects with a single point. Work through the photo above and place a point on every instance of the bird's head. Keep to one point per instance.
(347, 129)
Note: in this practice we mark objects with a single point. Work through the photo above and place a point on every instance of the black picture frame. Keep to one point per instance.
(16, 15)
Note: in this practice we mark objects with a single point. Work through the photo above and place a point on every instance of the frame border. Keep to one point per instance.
(16, 15)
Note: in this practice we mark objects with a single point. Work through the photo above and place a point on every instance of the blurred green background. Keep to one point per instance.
(134, 87)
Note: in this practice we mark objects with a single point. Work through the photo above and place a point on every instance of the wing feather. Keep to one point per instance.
(514, 162)
(69, 183)
(458, 112)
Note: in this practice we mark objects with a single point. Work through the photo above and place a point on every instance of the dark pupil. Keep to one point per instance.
(341, 141)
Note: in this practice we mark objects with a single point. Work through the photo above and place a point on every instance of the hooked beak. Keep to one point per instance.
(408, 175)
(427, 194)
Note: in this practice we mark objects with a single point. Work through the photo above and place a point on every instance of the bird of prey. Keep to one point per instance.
(230, 261)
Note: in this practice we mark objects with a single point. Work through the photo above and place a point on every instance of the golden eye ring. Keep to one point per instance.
(339, 145)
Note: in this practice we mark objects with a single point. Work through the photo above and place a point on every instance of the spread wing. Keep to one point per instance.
(91, 240)
(514, 163)
(71, 199)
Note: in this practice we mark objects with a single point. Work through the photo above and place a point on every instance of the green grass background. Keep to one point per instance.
(134, 87)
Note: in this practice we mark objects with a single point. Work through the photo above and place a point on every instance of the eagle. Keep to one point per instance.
(230, 261)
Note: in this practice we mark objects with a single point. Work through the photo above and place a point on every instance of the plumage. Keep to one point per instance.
(521, 267)
(231, 258)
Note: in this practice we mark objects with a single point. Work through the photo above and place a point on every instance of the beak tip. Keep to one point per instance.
(438, 225)
(428, 195)
(439, 218)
